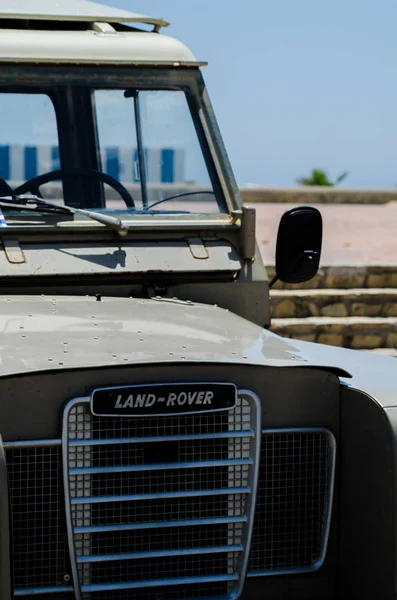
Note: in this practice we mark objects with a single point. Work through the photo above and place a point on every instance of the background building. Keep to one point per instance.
(164, 165)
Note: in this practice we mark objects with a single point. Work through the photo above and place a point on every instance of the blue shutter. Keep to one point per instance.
(5, 166)
(167, 165)
(30, 162)
(112, 163)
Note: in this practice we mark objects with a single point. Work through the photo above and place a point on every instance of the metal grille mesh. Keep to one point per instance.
(291, 514)
(159, 503)
(38, 524)
(293, 501)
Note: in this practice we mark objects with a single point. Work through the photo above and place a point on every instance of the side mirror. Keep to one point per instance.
(298, 247)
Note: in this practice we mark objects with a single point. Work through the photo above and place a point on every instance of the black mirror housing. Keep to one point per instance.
(299, 243)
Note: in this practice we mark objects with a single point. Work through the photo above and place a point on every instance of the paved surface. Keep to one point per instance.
(353, 234)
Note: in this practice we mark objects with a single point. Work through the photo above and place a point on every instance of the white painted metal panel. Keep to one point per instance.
(71, 10)
(91, 47)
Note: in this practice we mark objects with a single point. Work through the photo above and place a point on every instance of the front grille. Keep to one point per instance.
(41, 558)
(158, 517)
(294, 501)
(161, 505)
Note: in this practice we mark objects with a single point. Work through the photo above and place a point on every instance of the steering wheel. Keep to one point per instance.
(33, 185)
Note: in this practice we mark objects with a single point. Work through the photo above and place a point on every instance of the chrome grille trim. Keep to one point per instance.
(162, 524)
(154, 496)
(157, 583)
(32, 444)
(159, 467)
(44, 590)
(242, 469)
(137, 555)
(69, 524)
(162, 438)
(328, 500)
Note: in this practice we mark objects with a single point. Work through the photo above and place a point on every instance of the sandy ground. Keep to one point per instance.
(353, 234)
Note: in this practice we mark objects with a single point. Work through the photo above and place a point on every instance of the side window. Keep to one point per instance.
(28, 137)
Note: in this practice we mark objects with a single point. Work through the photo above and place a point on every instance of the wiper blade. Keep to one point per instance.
(29, 202)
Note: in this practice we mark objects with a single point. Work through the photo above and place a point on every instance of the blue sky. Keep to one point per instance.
(296, 85)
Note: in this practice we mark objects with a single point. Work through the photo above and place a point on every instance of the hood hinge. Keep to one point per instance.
(13, 251)
(198, 249)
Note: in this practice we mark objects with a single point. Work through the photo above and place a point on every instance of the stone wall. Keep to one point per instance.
(346, 277)
(377, 302)
(317, 195)
(328, 310)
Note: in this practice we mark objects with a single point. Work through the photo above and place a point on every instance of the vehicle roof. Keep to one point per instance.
(71, 10)
(26, 46)
(81, 31)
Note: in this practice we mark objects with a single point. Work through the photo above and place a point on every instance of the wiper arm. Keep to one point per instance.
(29, 202)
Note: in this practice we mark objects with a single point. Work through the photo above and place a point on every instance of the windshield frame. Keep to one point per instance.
(49, 78)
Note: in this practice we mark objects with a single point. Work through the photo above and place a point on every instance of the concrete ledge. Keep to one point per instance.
(360, 333)
(383, 351)
(317, 195)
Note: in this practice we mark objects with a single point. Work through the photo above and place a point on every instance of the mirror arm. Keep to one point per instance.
(274, 280)
(308, 255)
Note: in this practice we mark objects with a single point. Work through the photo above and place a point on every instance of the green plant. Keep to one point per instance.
(319, 177)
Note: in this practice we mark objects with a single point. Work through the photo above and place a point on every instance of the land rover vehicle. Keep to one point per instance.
(157, 441)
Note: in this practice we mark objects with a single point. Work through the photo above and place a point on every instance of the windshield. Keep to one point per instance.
(123, 150)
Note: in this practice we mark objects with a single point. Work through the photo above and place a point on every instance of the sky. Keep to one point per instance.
(296, 85)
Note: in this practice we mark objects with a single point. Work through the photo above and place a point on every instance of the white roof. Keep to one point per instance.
(71, 10)
(99, 43)
(92, 47)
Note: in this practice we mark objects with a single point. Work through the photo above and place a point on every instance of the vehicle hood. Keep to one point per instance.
(51, 333)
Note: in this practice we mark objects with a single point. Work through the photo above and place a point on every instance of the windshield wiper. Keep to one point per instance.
(176, 196)
(29, 202)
